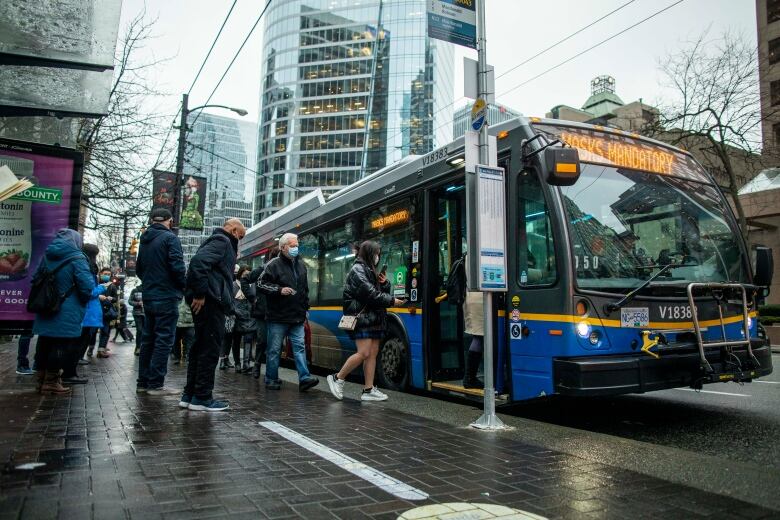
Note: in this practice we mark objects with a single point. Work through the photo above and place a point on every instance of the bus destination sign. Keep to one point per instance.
(636, 157)
(625, 151)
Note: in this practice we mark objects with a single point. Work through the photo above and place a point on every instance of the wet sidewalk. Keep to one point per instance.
(105, 452)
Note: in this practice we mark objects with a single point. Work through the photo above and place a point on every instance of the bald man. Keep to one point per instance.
(209, 292)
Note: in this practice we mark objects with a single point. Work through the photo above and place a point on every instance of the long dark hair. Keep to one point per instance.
(367, 250)
(91, 250)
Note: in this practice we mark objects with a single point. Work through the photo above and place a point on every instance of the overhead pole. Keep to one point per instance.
(177, 183)
(488, 420)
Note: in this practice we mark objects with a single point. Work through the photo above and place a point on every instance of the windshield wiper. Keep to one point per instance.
(613, 306)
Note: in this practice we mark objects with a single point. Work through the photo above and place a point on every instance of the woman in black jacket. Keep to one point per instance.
(367, 296)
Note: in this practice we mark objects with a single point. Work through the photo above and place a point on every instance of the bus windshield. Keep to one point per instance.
(625, 224)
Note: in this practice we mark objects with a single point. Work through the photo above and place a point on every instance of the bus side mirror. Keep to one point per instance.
(563, 166)
(763, 267)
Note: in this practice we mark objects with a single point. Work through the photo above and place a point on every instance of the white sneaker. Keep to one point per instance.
(336, 386)
(379, 392)
(373, 395)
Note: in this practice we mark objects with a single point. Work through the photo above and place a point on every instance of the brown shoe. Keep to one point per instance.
(103, 354)
(52, 384)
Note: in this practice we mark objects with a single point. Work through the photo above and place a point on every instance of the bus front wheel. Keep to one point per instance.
(393, 361)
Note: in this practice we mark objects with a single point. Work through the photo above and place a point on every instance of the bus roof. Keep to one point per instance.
(382, 184)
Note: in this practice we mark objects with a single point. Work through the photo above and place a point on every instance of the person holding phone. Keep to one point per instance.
(367, 296)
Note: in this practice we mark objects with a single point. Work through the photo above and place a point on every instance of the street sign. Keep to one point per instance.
(453, 21)
(471, 80)
(491, 228)
(478, 114)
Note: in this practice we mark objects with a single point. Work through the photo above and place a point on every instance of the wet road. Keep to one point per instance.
(739, 423)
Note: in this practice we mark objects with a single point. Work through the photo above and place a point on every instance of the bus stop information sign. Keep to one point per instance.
(453, 21)
(491, 229)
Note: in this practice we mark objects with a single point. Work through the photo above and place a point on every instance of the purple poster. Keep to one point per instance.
(29, 220)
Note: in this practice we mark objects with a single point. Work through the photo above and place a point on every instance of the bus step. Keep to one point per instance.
(456, 387)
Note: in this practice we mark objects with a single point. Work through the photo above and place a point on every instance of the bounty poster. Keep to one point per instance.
(30, 220)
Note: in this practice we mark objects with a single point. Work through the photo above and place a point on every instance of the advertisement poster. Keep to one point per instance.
(163, 189)
(30, 220)
(193, 203)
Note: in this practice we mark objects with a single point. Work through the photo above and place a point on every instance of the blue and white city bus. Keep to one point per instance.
(632, 278)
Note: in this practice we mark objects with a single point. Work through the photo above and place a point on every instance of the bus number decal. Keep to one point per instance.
(676, 312)
(587, 262)
(435, 156)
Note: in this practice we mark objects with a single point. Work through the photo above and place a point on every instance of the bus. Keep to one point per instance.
(631, 276)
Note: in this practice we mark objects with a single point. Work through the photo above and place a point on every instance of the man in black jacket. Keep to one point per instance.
(210, 294)
(160, 267)
(287, 290)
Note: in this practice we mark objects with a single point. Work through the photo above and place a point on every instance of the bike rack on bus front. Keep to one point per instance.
(725, 342)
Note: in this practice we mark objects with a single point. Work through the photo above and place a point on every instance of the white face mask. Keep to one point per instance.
(376, 260)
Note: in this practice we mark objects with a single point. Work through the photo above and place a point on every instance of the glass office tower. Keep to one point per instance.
(348, 87)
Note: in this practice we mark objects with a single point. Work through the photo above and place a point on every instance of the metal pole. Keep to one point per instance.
(488, 420)
(180, 162)
(124, 244)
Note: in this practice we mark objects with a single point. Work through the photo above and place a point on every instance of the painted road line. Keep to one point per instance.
(711, 392)
(387, 483)
(767, 382)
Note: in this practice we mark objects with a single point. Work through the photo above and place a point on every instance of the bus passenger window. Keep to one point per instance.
(536, 254)
(338, 255)
(309, 253)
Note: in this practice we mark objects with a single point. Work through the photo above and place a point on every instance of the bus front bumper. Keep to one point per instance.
(637, 373)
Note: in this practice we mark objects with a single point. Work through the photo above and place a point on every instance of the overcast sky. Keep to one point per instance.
(517, 29)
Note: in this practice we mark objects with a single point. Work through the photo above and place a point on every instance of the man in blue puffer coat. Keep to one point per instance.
(58, 334)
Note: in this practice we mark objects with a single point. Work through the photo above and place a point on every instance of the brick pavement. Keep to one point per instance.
(110, 453)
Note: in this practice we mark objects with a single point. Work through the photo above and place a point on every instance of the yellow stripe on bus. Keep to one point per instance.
(567, 318)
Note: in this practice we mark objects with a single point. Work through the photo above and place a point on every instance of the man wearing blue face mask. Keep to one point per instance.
(285, 284)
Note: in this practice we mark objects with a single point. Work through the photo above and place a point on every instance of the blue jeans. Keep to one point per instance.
(276, 334)
(160, 317)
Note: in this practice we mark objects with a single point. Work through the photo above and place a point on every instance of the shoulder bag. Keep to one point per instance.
(350, 322)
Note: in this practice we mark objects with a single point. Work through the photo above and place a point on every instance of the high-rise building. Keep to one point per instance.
(348, 87)
(768, 22)
(224, 151)
(496, 114)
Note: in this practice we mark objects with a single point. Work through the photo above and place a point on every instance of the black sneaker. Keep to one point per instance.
(307, 384)
(275, 385)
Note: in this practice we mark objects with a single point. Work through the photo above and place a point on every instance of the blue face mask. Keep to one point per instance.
(104, 278)
(293, 251)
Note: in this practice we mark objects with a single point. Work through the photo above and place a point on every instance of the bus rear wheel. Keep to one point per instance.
(393, 361)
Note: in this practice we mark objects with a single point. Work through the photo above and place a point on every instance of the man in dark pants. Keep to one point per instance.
(210, 294)
(160, 267)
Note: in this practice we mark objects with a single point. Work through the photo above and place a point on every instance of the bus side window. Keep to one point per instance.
(536, 254)
(338, 255)
(309, 251)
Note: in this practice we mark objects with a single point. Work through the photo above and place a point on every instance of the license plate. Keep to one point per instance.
(634, 317)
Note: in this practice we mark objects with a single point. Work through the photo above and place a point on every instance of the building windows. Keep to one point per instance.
(774, 51)
(774, 92)
(772, 11)
(776, 133)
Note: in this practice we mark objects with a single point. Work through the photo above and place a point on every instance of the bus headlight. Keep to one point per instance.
(583, 329)
(594, 337)
(750, 322)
